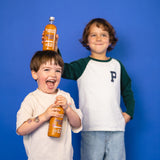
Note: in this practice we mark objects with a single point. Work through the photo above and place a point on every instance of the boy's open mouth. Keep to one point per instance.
(50, 83)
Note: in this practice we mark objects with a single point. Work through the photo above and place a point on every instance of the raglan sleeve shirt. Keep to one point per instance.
(75, 69)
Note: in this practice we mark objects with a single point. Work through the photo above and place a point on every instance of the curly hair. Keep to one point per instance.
(100, 23)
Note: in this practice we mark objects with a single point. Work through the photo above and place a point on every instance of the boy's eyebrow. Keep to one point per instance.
(96, 32)
(59, 68)
(46, 67)
(56, 67)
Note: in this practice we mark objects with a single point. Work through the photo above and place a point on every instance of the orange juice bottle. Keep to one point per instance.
(50, 35)
(55, 124)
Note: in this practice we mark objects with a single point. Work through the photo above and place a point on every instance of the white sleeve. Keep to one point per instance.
(78, 111)
(25, 112)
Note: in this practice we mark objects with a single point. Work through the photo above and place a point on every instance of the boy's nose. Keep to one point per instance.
(98, 37)
(53, 73)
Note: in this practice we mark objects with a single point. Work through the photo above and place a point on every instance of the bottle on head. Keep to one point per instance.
(50, 35)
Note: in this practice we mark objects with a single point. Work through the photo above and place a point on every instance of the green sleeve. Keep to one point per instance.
(126, 92)
(75, 69)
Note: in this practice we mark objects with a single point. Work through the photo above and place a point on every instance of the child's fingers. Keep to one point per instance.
(55, 109)
(60, 100)
(43, 40)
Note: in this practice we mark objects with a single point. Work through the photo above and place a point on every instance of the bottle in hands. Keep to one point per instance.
(55, 124)
(50, 35)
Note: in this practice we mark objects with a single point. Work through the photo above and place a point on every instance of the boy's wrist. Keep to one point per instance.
(43, 117)
(67, 109)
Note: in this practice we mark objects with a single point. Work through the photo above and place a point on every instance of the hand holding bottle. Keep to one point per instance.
(61, 101)
(51, 111)
(55, 124)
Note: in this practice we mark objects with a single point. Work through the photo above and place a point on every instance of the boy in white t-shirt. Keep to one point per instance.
(39, 106)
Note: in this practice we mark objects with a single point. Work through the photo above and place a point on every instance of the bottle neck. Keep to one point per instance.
(50, 22)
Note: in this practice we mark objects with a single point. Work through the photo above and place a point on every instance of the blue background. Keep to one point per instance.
(137, 24)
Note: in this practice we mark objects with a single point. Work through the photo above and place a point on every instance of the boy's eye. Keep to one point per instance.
(59, 71)
(104, 35)
(92, 35)
(46, 69)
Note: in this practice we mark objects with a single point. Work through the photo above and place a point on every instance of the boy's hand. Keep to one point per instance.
(126, 116)
(43, 40)
(61, 101)
(56, 44)
(52, 111)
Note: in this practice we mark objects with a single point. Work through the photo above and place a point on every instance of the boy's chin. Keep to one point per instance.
(52, 91)
(49, 91)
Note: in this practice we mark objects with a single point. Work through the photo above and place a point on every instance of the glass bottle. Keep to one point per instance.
(55, 124)
(50, 35)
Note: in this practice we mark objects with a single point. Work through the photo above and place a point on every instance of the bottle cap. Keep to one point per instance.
(51, 18)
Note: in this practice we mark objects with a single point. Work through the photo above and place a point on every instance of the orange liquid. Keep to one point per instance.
(49, 37)
(55, 125)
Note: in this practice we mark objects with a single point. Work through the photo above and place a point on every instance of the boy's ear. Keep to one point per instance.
(34, 75)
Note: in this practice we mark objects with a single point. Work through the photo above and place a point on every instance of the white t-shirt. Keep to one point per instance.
(99, 96)
(38, 145)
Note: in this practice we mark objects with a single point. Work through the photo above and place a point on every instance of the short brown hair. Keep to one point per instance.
(41, 57)
(100, 22)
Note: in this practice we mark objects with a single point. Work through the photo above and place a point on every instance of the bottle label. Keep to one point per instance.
(57, 131)
(50, 30)
(50, 36)
(57, 124)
